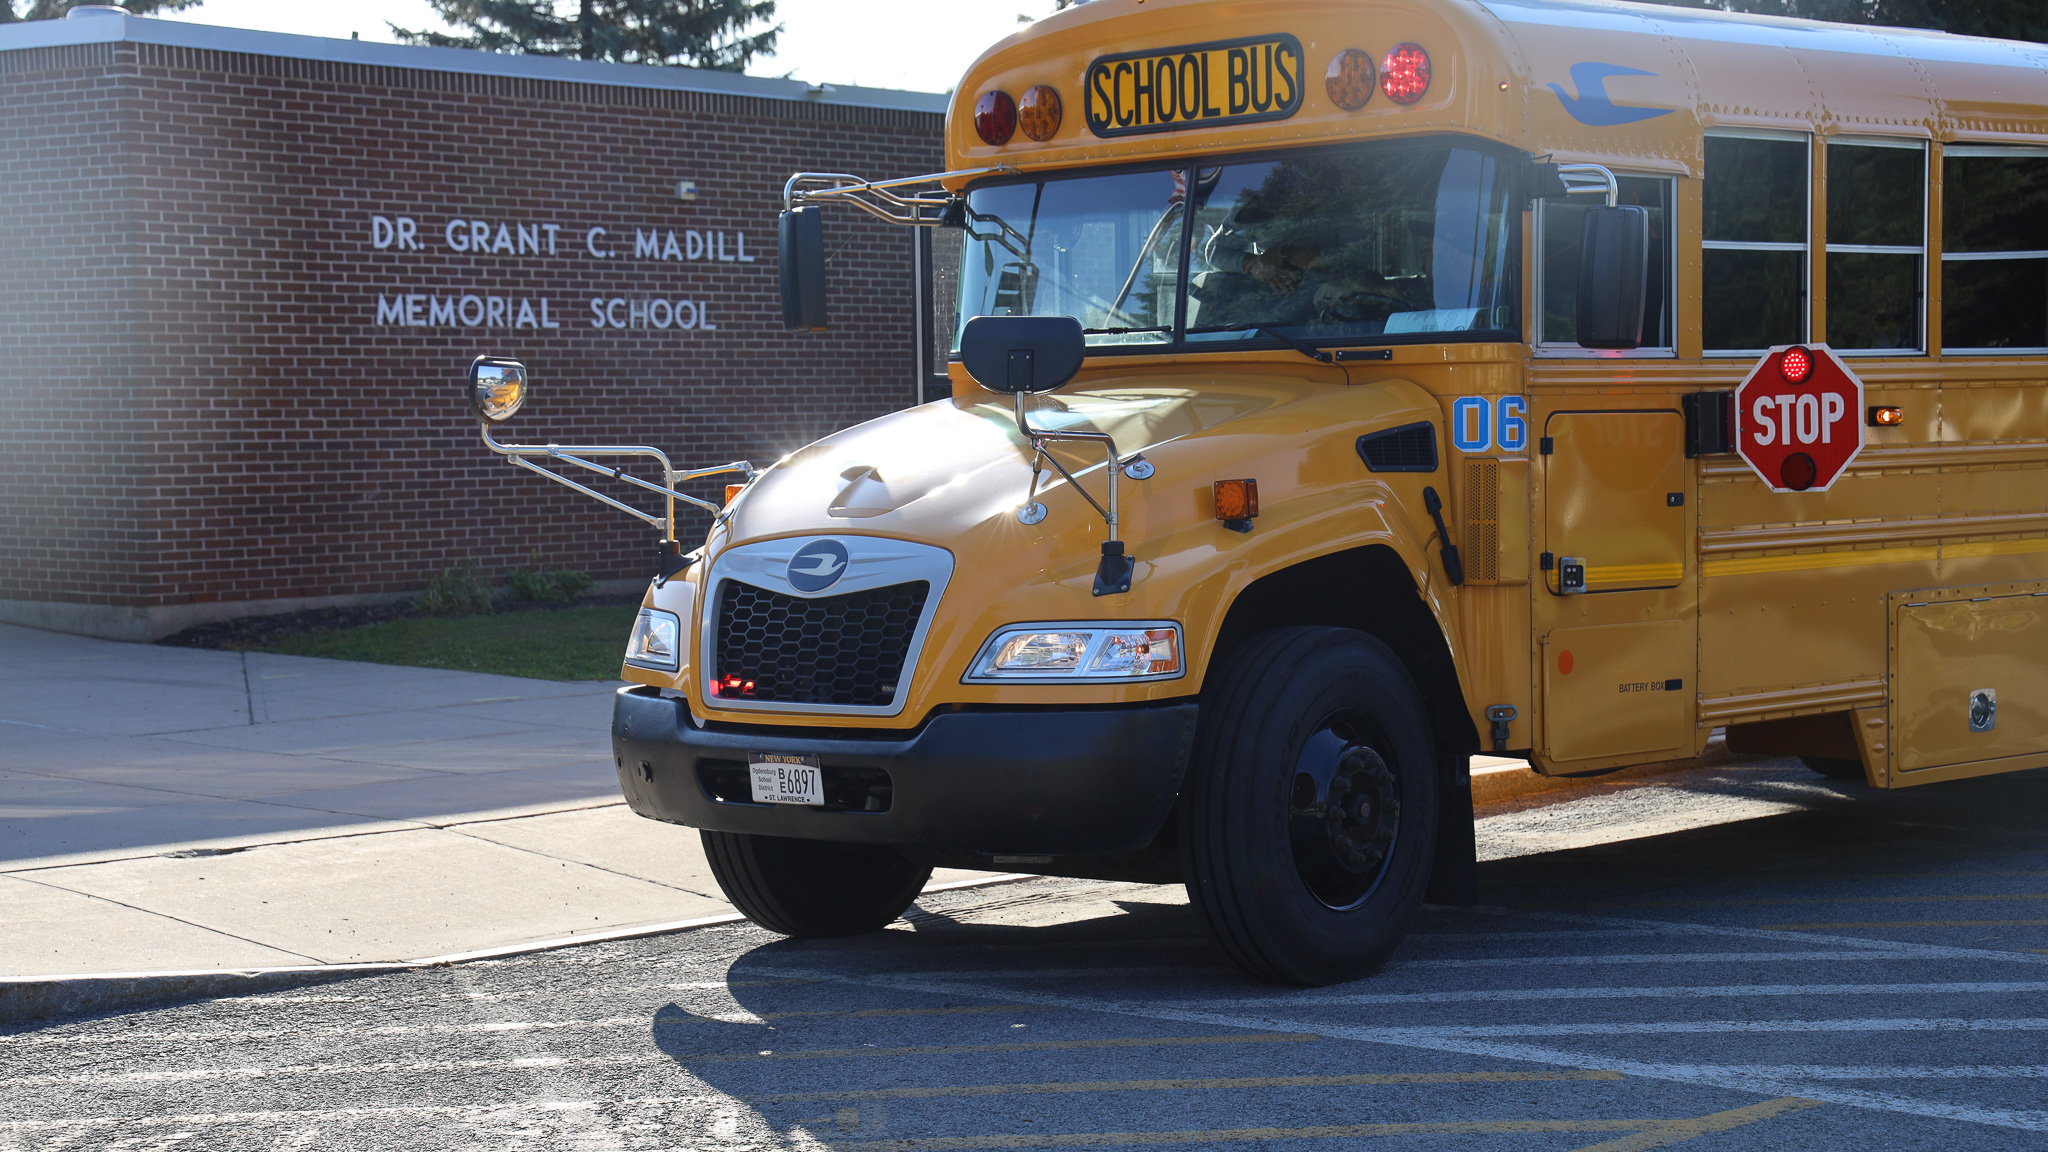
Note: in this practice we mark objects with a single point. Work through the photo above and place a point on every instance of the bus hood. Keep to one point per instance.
(940, 471)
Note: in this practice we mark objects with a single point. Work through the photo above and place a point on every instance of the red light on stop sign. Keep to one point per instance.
(1795, 365)
(1799, 418)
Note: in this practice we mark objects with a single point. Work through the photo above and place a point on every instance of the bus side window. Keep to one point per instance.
(1558, 223)
(1877, 243)
(1994, 249)
(1754, 226)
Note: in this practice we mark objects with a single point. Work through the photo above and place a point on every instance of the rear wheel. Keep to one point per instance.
(813, 887)
(1310, 819)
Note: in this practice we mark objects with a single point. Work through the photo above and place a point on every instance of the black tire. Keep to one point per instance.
(1835, 769)
(1296, 888)
(813, 887)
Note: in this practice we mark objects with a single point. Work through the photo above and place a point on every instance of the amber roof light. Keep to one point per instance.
(1350, 79)
(1038, 114)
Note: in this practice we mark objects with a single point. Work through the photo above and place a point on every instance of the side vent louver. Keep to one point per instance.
(1409, 448)
(1481, 552)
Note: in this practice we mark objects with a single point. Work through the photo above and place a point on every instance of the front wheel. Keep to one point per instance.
(813, 887)
(1310, 819)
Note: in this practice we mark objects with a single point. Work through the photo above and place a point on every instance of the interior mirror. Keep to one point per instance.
(497, 388)
(800, 256)
(1614, 276)
(1022, 354)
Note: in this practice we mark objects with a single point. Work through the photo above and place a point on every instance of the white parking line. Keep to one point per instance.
(1664, 1027)
(1761, 1081)
(1676, 992)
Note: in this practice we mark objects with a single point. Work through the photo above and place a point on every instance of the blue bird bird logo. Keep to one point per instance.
(1592, 105)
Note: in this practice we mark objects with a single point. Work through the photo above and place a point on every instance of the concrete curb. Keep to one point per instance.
(28, 999)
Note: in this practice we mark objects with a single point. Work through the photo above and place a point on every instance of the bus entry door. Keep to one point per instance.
(1620, 656)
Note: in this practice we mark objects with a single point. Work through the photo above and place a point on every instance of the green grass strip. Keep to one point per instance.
(584, 643)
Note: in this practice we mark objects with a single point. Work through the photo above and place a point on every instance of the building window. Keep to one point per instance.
(1877, 244)
(1559, 223)
(1994, 249)
(1755, 217)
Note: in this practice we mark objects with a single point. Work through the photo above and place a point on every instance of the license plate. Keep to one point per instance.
(780, 779)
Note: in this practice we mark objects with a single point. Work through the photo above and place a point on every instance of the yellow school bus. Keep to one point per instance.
(1344, 388)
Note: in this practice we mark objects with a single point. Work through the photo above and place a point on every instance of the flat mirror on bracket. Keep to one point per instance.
(1614, 276)
(1022, 354)
(800, 256)
(497, 388)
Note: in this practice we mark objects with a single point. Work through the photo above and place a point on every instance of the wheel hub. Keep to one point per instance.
(1343, 814)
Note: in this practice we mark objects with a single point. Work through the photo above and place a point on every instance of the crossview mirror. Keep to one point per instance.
(497, 388)
(800, 259)
(1614, 276)
(1022, 354)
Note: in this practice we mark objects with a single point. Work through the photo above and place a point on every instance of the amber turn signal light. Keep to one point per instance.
(732, 490)
(1887, 417)
(1237, 501)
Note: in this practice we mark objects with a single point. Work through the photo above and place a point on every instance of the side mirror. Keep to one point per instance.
(800, 256)
(1614, 276)
(1022, 354)
(497, 388)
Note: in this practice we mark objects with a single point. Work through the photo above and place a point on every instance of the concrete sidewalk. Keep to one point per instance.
(172, 809)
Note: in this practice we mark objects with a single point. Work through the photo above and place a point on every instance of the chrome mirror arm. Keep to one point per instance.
(1590, 180)
(522, 456)
(1115, 572)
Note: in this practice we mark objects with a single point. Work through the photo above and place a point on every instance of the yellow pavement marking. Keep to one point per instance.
(1027, 1046)
(1641, 1133)
(1840, 924)
(1228, 1135)
(1176, 1085)
(1677, 1131)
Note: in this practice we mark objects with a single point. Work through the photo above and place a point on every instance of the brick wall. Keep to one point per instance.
(200, 414)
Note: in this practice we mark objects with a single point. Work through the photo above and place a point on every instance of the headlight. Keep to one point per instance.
(1060, 653)
(657, 637)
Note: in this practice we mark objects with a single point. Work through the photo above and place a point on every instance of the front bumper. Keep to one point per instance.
(1042, 781)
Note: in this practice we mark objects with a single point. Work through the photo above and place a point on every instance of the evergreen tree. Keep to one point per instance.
(700, 33)
(2004, 19)
(52, 9)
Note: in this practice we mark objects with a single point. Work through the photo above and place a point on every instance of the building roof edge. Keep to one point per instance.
(119, 27)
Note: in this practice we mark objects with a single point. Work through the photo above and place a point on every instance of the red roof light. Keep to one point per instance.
(1404, 74)
(995, 118)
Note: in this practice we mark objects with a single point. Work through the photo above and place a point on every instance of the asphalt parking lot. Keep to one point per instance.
(1844, 970)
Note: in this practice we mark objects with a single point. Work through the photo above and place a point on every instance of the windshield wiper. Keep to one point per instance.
(1126, 331)
(1302, 346)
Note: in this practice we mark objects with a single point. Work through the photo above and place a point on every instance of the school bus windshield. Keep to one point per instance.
(1408, 243)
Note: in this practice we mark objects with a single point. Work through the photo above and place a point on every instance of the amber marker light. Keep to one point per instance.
(1350, 79)
(1237, 502)
(995, 118)
(732, 490)
(1887, 417)
(1404, 74)
(1038, 114)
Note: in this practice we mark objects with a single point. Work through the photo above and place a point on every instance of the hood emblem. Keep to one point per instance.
(817, 566)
